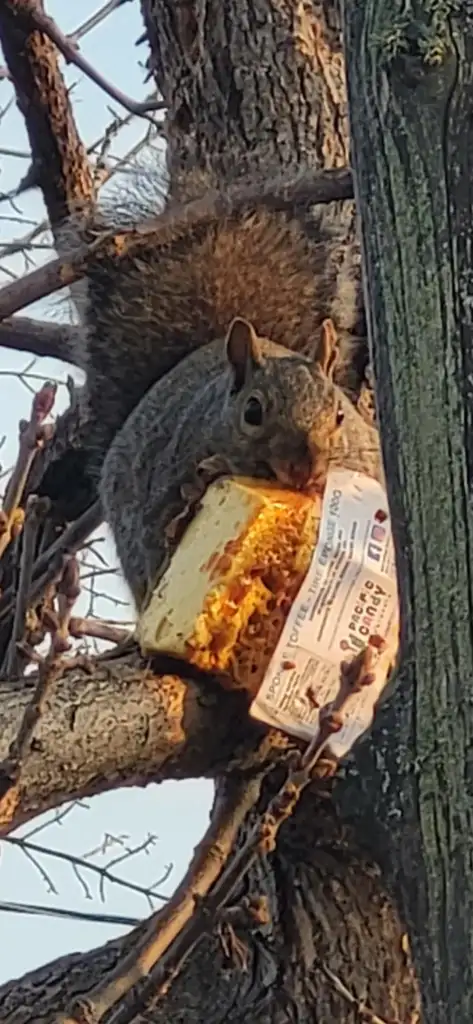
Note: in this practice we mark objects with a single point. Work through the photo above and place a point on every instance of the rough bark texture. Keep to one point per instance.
(415, 200)
(314, 884)
(249, 84)
(122, 725)
(61, 166)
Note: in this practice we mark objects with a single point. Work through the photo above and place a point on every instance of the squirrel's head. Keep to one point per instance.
(285, 409)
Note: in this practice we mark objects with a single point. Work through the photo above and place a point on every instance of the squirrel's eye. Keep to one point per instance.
(340, 415)
(253, 413)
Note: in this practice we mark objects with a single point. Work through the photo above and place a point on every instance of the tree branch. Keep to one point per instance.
(117, 724)
(280, 194)
(70, 52)
(317, 880)
(174, 932)
(59, 159)
(41, 338)
(229, 813)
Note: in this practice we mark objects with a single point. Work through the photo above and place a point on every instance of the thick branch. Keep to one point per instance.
(122, 725)
(40, 337)
(60, 161)
(304, 190)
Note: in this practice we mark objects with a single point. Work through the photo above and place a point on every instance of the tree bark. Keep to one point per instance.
(249, 85)
(122, 725)
(39, 337)
(411, 89)
(328, 911)
(60, 163)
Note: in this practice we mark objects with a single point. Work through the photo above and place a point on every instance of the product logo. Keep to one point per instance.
(377, 536)
(364, 616)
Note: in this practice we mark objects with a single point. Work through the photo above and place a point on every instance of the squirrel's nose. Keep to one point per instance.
(302, 469)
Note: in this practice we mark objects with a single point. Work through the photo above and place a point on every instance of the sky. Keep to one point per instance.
(162, 823)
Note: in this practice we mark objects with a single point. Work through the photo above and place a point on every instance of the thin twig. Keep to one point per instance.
(68, 592)
(32, 437)
(20, 244)
(95, 19)
(51, 563)
(308, 188)
(44, 23)
(206, 865)
(52, 575)
(78, 863)
(35, 909)
(99, 629)
(30, 440)
(36, 510)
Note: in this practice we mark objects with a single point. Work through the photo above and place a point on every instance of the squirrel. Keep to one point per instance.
(181, 285)
(217, 345)
(247, 407)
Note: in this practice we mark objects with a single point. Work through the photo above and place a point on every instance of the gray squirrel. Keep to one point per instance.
(216, 347)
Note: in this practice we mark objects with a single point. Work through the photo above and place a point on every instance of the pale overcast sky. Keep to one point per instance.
(176, 813)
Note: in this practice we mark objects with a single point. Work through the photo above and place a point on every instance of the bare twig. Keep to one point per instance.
(41, 407)
(26, 241)
(52, 575)
(35, 513)
(81, 864)
(99, 629)
(311, 187)
(96, 18)
(69, 49)
(36, 910)
(32, 657)
(206, 865)
(50, 565)
(32, 437)
(68, 591)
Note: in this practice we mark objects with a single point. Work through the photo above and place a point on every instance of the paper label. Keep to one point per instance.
(348, 595)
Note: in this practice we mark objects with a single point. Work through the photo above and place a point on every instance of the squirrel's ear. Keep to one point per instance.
(242, 348)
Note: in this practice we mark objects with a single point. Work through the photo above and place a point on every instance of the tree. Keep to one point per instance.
(377, 860)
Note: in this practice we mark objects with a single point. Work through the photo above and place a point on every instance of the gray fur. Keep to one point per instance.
(149, 309)
(160, 392)
(193, 414)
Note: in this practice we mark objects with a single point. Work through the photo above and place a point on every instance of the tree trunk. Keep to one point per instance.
(249, 84)
(258, 84)
(414, 197)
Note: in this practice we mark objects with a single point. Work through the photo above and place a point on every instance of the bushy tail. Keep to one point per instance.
(182, 283)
